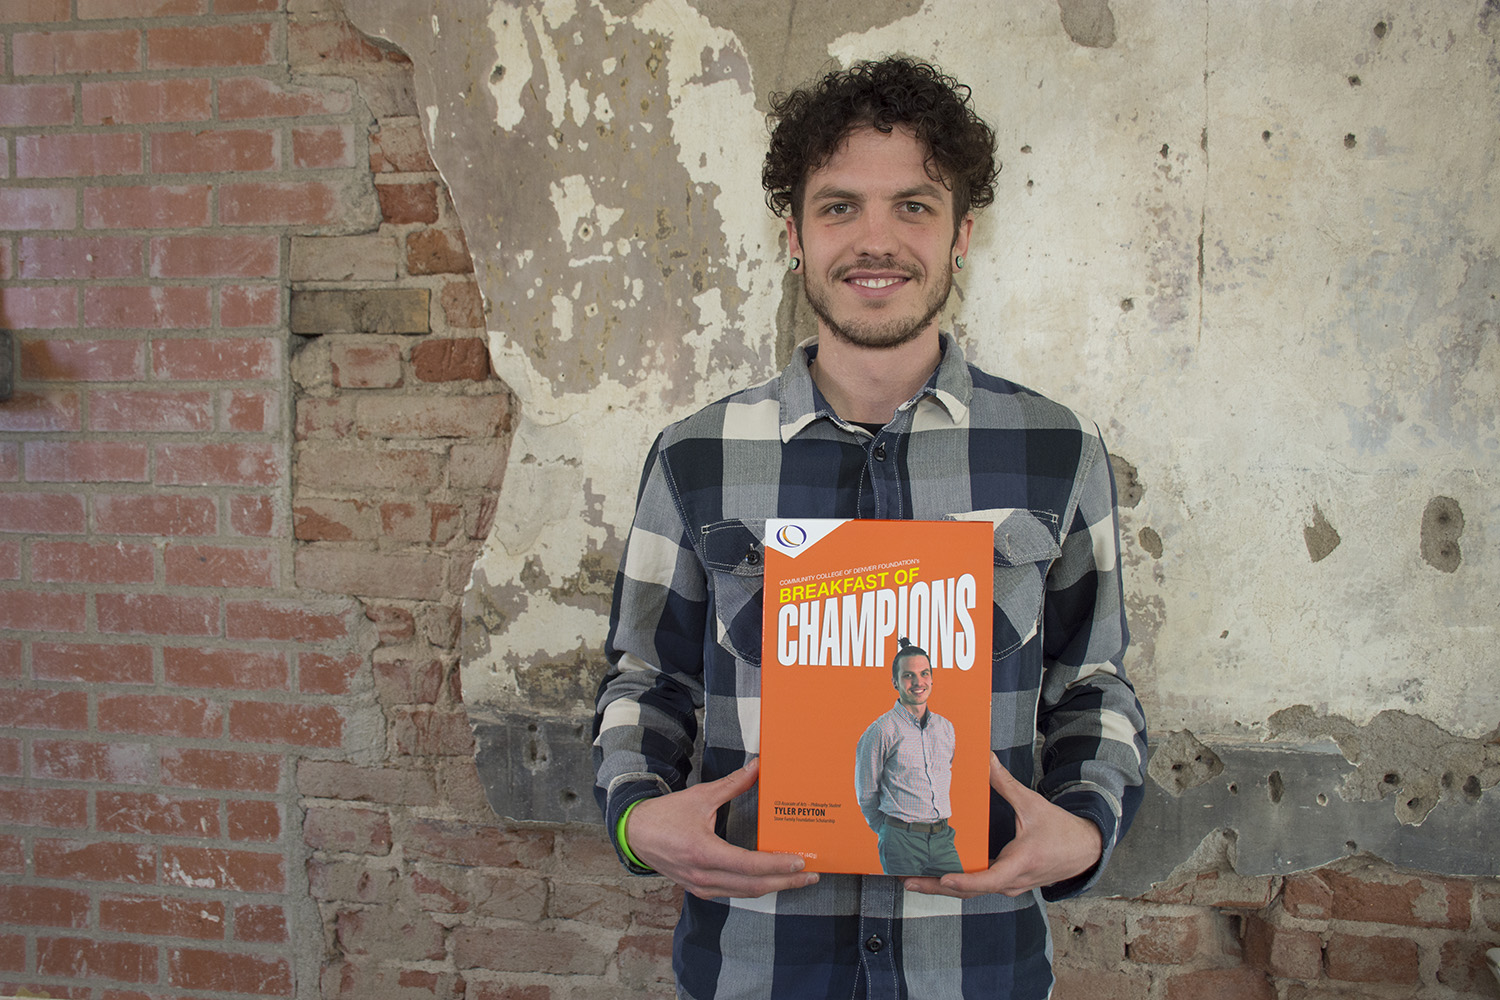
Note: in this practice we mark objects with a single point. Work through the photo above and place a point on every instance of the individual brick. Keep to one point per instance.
(147, 307)
(235, 669)
(1284, 952)
(146, 206)
(437, 251)
(227, 770)
(37, 208)
(49, 53)
(96, 861)
(82, 958)
(198, 256)
(451, 360)
(415, 575)
(408, 203)
(347, 831)
(200, 969)
(331, 779)
(369, 310)
(88, 562)
(219, 358)
(157, 614)
(155, 514)
(254, 819)
(152, 813)
(115, 762)
(256, 97)
(284, 203)
(216, 868)
(1358, 958)
(91, 663)
(219, 566)
(85, 462)
(134, 102)
(78, 154)
(161, 715)
(171, 916)
(367, 257)
(277, 722)
(24, 105)
(151, 410)
(197, 46)
(42, 412)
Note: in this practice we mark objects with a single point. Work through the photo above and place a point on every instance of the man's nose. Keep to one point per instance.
(877, 235)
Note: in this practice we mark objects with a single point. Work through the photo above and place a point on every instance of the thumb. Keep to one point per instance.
(1005, 783)
(735, 783)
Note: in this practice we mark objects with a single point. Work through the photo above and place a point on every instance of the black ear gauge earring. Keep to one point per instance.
(958, 262)
(796, 262)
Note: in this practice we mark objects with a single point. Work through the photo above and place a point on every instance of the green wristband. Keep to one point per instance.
(624, 844)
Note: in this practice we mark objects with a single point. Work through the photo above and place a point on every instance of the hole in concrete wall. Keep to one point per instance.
(1322, 799)
(1266, 136)
(1350, 141)
(1354, 81)
(1472, 790)
(1182, 762)
(1442, 524)
(1128, 483)
(1391, 778)
(1234, 789)
(1351, 847)
(1381, 28)
(1274, 786)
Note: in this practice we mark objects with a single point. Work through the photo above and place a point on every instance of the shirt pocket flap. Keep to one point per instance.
(735, 546)
(1021, 536)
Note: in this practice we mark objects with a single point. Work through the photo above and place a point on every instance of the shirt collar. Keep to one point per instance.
(949, 388)
(900, 712)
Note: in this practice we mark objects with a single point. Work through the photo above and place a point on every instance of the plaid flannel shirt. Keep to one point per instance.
(685, 636)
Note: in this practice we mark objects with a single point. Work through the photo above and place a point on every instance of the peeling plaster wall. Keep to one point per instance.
(1257, 243)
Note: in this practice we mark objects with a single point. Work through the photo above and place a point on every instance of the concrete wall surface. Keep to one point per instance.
(1256, 243)
(331, 346)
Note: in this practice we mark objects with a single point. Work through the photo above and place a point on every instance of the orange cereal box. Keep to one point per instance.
(875, 694)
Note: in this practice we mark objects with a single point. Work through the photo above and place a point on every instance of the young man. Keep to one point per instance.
(903, 771)
(879, 167)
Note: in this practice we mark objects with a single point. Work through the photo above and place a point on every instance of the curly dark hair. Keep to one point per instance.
(809, 125)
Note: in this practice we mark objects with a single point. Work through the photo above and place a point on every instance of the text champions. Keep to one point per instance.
(844, 622)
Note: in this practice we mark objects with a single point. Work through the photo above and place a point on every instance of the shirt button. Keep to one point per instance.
(880, 452)
(753, 557)
(873, 943)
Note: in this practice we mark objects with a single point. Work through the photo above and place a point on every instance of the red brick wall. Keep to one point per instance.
(253, 446)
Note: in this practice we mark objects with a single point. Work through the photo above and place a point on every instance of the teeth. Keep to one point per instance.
(874, 282)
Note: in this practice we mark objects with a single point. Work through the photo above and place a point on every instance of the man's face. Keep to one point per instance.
(914, 681)
(877, 240)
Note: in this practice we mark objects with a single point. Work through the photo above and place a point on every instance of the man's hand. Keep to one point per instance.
(1051, 844)
(675, 835)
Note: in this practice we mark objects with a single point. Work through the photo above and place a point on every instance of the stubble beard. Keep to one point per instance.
(875, 333)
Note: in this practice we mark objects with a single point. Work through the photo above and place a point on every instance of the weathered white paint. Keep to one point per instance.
(1338, 349)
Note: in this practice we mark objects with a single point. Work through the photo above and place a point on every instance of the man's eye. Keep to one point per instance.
(840, 208)
(914, 207)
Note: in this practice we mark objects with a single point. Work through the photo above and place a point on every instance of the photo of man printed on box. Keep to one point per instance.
(902, 772)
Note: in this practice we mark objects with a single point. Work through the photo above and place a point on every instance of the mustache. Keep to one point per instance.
(877, 264)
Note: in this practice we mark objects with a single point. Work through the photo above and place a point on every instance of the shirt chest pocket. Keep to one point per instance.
(1026, 544)
(734, 557)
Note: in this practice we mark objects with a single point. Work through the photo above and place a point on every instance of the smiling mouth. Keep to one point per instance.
(875, 282)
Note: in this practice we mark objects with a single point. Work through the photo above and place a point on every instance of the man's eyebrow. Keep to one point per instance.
(920, 191)
(835, 194)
